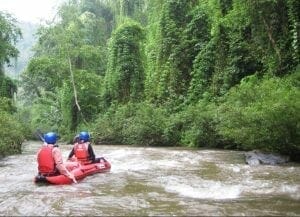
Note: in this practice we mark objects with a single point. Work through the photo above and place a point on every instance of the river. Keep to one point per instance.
(147, 181)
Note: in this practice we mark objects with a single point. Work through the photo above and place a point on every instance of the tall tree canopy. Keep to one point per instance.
(125, 75)
(9, 35)
(170, 72)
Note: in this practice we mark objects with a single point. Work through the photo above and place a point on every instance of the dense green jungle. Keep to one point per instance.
(198, 73)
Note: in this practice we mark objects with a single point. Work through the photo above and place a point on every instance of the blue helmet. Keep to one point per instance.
(50, 138)
(85, 136)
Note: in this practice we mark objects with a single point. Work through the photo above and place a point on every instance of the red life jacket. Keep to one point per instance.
(46, 163)
(81, 152)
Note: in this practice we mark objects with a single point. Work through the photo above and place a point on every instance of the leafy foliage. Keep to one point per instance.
(8, 87)
(177, 41)
(125, 76)
(9, 35)
(11, 130)
(262, 114)
(200, 73)
(198, 126)
(146, 126)
(43, 74)
(133, 123)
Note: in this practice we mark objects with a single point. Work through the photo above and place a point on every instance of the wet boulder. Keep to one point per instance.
(254, 158)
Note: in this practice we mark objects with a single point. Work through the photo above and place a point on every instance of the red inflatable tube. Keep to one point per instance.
(79, 172)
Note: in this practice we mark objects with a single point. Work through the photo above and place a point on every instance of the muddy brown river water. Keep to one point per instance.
(146, 181)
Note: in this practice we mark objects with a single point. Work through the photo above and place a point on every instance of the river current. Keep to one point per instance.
(148, 181)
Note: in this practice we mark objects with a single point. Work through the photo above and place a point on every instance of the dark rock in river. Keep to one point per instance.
(255, 158)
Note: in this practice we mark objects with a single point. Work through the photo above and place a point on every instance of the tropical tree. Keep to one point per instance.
(11, 131)
(124, 79)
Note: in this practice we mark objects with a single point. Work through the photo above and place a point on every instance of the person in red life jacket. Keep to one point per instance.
(84, 151)
(49, 158)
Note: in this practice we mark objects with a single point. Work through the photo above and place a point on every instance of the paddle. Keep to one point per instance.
(39, 134)
(74, 180)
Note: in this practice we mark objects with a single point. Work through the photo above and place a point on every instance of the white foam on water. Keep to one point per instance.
(269, 187)
(235, 169)
(123, 161)
(122, 154)
(202, 189)
(168, 164)
(292, 190)
(128, 166)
